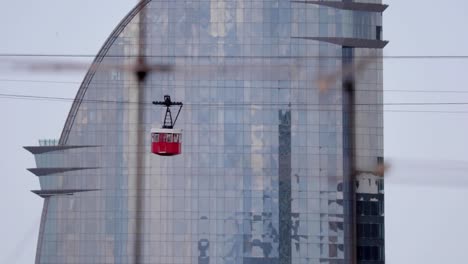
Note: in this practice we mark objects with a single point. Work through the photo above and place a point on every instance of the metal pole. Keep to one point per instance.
(141, 74)
(351, 130)
(349, 144)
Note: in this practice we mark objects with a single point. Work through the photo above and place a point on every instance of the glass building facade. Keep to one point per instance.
(271, 171)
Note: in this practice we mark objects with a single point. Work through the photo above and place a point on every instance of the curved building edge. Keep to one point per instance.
(77, 102)
(94, 67)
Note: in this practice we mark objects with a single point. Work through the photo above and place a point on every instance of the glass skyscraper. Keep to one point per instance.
(273, 168)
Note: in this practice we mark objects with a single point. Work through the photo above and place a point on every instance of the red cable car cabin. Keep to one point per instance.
(166, 141)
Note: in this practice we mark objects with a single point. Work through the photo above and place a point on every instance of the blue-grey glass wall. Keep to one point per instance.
(261, 176)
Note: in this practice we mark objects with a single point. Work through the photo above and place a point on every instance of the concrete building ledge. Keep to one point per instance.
(49, 193)
(351, 42)
(45, 149)
(48, 171)
(368, 7)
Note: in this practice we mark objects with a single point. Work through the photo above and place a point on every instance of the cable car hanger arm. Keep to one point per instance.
(177, 116)
(168, 122)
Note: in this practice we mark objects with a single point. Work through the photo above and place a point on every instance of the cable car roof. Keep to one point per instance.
(166, 130)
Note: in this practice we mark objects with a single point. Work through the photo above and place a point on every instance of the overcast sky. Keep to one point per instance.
(426, 188)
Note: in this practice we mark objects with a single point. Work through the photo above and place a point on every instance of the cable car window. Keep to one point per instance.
(176, 138)
(155, 137)
(169, 138)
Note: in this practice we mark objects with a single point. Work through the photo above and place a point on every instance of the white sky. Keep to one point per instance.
(426, 189)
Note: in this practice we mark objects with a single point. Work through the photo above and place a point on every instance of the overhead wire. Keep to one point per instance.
(32, 97)
(294, 106)
(121, 81)
(234, 57)
(236, 104)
